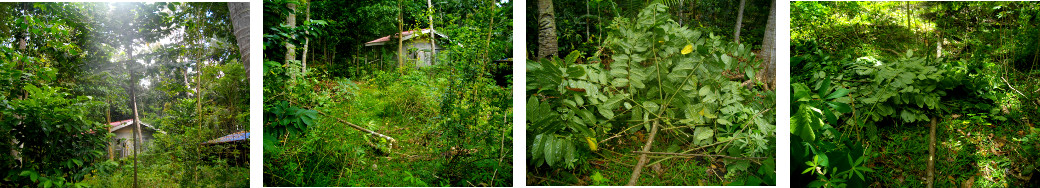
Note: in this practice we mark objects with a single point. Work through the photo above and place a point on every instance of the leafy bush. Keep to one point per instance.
(659, 74)
(283, 118)
(815, 141)
(55, 142)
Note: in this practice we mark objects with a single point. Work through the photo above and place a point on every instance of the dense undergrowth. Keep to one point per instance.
(388, 122)
(863, 108)
(691, 95)
(406, 107)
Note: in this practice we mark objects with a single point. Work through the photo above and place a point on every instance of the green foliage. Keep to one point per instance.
(54, 141)
(975, 91)
(659, 73)
(906, 82)
(285, 118)
(808, 120)
(581, 25)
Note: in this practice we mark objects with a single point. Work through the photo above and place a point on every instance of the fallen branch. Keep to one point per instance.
(698, 155)
(642, 158)
(1016, 90)
(391, 140)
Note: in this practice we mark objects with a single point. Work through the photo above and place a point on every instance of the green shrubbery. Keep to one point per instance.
(696, 86)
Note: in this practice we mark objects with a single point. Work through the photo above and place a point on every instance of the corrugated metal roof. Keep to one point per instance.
(125, 123)
(233, 137)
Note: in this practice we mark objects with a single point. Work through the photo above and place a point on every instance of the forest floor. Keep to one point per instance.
(613, 166)
(408, 158)
(969, 152)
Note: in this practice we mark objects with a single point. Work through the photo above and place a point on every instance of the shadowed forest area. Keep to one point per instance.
(915, 94)
(664, 93)
(123, 94)
(387, 93)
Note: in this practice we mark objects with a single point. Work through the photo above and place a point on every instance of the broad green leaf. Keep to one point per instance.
(606, 112)
(705, 91)
(840, 92)
(568, 153)
(801, 92)
(840, 107)
(703, 133)
(650, 106)
(619, 82)
(825, 87)
(804, 121)
(575, 71)
(536, 146)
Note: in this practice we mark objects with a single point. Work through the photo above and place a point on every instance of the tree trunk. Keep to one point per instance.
(133, 102)
(931, 155)
(239, 12)
(433, 34)
(108, 119)
(290, 53)
(23, 37)
(400, 35)
(907, 6)
(547, 45)
(768, 72)
(740, 18)
(306, 41)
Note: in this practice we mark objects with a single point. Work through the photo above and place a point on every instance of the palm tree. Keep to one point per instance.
(239, 12)
(546, 29)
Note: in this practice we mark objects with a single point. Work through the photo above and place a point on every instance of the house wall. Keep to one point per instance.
(419, 52)
(122, 142)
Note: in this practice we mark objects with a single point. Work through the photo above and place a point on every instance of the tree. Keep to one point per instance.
(307, 40)
(400, 35)
(768, 74)
(290, 20)
(740, 18)
(433, 34)
(239, 12)
(547, 45)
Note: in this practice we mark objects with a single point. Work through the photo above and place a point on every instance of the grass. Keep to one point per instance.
(404, 107)
(171, 174)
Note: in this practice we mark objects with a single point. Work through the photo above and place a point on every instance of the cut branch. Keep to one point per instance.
(388, 138)
(642, 158)
(698, 155)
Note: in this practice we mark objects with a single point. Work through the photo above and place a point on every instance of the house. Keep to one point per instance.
(416, 45)
(122, 143)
